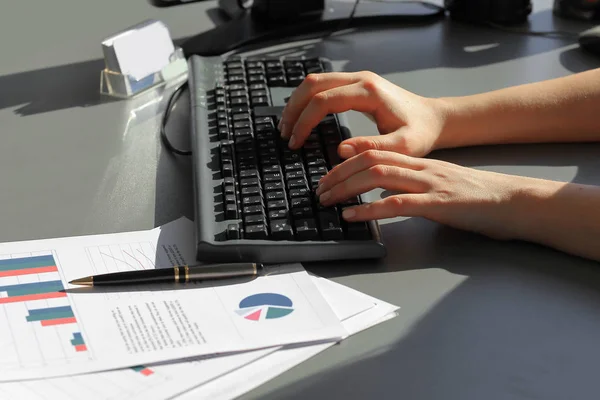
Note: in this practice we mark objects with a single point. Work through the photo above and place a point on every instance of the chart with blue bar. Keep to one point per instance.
(35, 309)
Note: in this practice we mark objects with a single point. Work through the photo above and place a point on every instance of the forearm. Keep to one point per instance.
(564, 216)
(559, 110)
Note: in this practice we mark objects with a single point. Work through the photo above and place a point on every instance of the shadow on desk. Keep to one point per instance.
(445, 44)
(55, 88)
(442, 44)
(521, 323)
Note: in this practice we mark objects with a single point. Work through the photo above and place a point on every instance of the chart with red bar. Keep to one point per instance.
(38, 322)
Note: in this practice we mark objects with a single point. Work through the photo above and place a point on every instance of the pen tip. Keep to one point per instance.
(87, 281)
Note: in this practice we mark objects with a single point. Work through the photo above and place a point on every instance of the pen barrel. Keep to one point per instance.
(158, 275)
(178, 274)
(220, 271)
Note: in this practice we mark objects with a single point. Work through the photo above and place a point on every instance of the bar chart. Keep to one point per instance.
(39, 323)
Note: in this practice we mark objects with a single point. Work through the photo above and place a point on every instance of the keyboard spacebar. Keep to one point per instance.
(268, 111)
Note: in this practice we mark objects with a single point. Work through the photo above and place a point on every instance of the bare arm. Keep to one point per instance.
(559, 110)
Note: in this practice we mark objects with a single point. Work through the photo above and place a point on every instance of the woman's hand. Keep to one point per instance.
(464, 198)
(409, 124)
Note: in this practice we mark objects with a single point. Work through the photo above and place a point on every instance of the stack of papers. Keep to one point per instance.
(195, 341)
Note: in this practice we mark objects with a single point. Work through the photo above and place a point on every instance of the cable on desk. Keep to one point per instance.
(347, 21)
(163, 134)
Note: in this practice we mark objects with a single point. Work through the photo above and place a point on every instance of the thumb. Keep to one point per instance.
(388, 142)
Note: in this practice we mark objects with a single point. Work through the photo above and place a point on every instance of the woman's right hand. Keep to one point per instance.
(408, 124)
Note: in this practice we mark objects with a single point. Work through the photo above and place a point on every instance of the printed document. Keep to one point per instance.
(49, 328)
(218, 377)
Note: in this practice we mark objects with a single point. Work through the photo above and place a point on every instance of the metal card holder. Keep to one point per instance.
(136, 43)
(125, 86)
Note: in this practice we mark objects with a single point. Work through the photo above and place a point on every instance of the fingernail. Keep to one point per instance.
(348, 213)
(282, 130)
(347, 150)
(292, 141)
(319, 190)
(280, 124)
(324, 197)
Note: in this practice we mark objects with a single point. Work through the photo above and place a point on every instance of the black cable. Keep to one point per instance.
(163, 134)
(347, 21)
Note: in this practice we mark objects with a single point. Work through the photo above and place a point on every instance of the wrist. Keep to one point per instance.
(453, 122)
(534, 205)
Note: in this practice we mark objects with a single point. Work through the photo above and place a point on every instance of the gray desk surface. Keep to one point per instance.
(480, 319)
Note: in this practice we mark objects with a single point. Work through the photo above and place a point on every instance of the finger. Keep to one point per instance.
(312, 84)
(364, 161)
(391, 142)
(378, 176)
(405, 205)
(331, 101)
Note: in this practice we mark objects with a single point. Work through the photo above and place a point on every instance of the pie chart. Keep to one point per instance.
(263, 306)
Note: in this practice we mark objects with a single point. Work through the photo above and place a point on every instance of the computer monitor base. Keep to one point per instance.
(248, 29)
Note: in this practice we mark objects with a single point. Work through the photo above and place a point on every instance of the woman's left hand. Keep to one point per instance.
(464, 198)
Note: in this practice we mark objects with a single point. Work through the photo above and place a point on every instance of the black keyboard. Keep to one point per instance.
(254, 197)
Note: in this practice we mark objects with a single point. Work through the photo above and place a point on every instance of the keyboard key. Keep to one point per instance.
(300, 202)
(276, 177)
(255, 71)
(227, 169)
(278, 214)
(233, 232)
(306, 229)
(297, 166)
(254, 219)
(273, 186)
(253, 210)
(263, 120)
(277, 81)
(254, 64)
(281, 230)
(241, 117)
(295, 80)
(251, 191)
(255, 86)
(258, 93)
(277, 205)
(259, 101)
(302, 213)
(253, 181)
(298, 174)
(316, 162)
(249, 174)
(228, 189)
(332, 156)
(252, 200)
(231, 211)
(275, 195)
(302, 192)
(256, 232)
(321, 170)
(357, 231)
(237, 93)
(297, 184)
(329, 223)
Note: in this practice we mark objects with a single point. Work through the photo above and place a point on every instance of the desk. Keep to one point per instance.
(480, 319)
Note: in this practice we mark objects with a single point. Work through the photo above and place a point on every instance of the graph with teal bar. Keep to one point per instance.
(78, 342)
(27, 265)
(143, 370)
(32, 291)
(52, 316)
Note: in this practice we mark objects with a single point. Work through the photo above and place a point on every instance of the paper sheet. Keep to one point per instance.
(47, 331)
(169, 380)
(251, 376)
